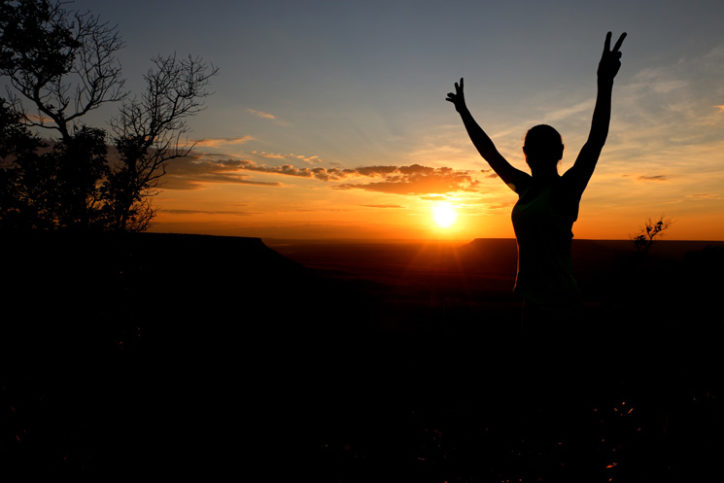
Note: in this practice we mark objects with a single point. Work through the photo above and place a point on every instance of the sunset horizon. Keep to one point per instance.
(331, 121)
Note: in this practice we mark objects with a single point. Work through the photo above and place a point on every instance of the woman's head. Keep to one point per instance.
(543, 147)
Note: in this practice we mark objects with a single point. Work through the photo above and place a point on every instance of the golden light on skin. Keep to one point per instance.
(444, 214)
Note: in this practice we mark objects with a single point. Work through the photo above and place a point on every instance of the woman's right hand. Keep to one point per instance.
(458, 98)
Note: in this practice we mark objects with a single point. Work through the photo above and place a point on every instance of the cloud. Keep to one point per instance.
(264, 154)
(414, 180)
(261, 114)
(189, 172)
(291, 170)
(383, 206)
(314, 159)
(215, 142)
(498, 205)
(204, 212)
(38, 118)
(664, 87)
(704, 196)
(307, 159)
(585, 106)
(658, 177)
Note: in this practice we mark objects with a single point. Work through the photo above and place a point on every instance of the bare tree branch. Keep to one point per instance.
(149, 128)
(65, 65)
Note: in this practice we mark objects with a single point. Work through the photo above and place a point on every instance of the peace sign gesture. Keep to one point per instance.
(458, 99)
(610, 59)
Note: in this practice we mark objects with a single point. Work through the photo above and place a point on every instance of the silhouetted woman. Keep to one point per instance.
(548, 203)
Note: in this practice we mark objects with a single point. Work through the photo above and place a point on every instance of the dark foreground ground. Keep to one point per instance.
(189, 355)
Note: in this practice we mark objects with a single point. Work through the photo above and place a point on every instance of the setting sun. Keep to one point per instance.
(444, 215)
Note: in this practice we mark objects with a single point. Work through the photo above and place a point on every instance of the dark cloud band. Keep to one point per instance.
(414, 179)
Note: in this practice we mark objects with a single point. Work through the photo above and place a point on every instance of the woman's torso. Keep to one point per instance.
(543, 219)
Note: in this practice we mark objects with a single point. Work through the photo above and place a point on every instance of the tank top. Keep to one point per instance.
(543, 219)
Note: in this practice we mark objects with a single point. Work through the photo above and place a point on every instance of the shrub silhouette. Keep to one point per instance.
(650, 230)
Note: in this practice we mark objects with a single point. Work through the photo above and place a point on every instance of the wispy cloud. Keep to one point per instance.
(704, 196)
(215, 142)
(291, 170)
(415, 179)
(269, 116)
(311, 159)
(307, 159)
(658, 177)
(205, 212)
(566, 112)
(191, 172)
(38, 118)
(264, 154)
(262, 114)
(383, 206)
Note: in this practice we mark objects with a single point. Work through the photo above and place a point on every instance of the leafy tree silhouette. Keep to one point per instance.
(64, 65)
(21, 196)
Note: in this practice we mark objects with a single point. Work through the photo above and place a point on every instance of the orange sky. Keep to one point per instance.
(328, 119)
(230, 187)
(237, 197)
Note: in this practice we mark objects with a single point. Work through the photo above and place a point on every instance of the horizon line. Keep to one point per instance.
(407, 240)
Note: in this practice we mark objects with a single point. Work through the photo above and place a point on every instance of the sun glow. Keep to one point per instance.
(444, 215)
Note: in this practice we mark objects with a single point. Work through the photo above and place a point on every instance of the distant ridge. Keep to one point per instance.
(396, 262)
(159, 249)
(60, 284)
(665, 248)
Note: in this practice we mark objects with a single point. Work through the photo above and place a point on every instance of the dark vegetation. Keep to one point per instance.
(59, 66)
(651, 230)
(188, 354)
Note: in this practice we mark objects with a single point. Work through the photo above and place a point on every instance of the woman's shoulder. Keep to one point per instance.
(522, 185)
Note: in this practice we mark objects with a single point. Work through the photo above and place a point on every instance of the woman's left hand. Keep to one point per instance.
(610, 59)
(458, 98)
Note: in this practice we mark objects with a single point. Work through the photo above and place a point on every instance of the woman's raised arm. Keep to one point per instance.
(511, 176)
(608, 67)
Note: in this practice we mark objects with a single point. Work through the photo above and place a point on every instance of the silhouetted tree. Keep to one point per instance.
(18, 152)
(64, 65)
(54, 189)
(148, 133)
(650, 230)
(80, 166)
